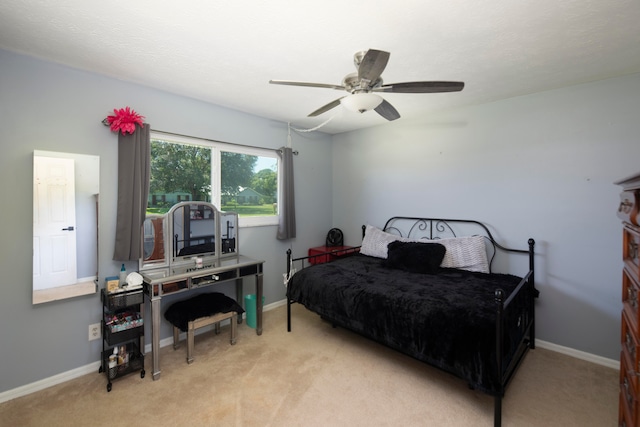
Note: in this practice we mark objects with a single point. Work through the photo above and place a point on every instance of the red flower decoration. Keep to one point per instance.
(124, 120)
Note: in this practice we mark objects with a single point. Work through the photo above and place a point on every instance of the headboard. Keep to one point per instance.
(416, 228)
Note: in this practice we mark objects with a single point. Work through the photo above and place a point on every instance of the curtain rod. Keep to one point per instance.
(222, 142)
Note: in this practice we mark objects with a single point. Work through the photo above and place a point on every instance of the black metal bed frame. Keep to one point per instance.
(436, 228)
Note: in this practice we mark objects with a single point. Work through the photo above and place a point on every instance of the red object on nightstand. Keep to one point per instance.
(327, 254)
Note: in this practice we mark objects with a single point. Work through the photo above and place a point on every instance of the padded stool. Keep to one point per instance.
(199, 311)
(201, 322)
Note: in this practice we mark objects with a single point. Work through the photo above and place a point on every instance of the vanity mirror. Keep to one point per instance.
(65, 225)
(190, 235)
(153, 242)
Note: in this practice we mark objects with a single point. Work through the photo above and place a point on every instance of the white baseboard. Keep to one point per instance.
(598, 360)
(48, 382)
(87, 369)
(94, 366)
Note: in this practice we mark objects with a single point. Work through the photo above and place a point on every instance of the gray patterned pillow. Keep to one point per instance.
(466, 253)
(375, 242)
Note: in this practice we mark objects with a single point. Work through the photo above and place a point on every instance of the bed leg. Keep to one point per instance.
(535, 293)
(497, 407)
(288, 276)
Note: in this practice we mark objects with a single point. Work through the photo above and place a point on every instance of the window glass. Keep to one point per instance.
(249, 184)
(234, 178)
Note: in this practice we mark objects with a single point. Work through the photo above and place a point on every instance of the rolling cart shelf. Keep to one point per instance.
(132, 362)
(122, 331)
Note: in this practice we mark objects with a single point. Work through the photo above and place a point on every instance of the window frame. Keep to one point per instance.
(216, 172)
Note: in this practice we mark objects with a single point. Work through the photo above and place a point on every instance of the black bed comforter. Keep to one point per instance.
(445, 319)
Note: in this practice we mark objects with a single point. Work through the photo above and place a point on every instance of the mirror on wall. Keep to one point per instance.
(65, 225)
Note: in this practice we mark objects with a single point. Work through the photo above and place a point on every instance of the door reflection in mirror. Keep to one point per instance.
(65, 225)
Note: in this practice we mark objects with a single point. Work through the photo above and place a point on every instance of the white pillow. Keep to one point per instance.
(466, 253)
(375, 242)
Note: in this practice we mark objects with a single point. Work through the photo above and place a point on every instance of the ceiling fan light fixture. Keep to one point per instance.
(370, 64)
(361, 102)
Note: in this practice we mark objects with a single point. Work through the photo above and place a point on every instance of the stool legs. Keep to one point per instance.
(205, 321)
(234, 327)
(176, 337)
(190, 342)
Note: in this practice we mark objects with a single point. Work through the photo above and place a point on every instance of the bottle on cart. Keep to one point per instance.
(123, 276)
(113, 359)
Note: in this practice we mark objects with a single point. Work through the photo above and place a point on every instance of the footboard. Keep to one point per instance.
(515, 330)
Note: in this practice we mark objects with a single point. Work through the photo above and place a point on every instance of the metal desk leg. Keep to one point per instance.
(240, 296)
(141, 342)
(155, 337)
(259, 304)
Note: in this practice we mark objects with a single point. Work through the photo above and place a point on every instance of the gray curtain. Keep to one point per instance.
(287, 223)
(134, 158)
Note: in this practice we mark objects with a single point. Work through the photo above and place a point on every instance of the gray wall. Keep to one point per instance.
(539, 166)
(50, 107)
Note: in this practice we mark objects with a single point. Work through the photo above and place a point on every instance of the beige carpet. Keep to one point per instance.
(317, 376)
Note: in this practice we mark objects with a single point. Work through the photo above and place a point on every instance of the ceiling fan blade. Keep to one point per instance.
(421, 87)
(387, 111)
(373, 64)
(307, 84)
(326, 108)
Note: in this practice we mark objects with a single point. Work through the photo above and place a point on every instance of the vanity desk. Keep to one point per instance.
(158, 284)
(194, 245)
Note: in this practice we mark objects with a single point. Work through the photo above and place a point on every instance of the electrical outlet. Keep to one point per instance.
(95, 331)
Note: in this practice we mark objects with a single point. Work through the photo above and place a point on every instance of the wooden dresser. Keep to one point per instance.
(629, 213)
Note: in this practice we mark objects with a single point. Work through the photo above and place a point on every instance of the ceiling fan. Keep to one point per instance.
(361, 85)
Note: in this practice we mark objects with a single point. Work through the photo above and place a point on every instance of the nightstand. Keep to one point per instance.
(322, 254)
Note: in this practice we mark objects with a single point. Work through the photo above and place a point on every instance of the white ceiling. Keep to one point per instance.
(225, 52)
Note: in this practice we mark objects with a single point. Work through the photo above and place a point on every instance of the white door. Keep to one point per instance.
(54, 219)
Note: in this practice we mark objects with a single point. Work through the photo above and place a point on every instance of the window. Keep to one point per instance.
(234, 178)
